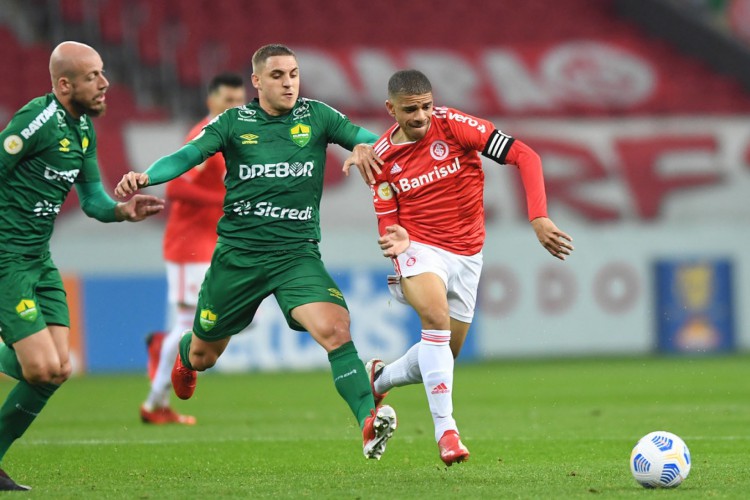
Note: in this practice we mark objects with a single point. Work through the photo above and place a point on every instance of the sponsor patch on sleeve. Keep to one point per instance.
(385, 192)
(13, 144)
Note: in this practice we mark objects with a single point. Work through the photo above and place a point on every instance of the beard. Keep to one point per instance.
(88, 107)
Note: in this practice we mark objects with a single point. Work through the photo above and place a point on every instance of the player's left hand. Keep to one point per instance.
(139, 207)
(557, 243)
(364, 158)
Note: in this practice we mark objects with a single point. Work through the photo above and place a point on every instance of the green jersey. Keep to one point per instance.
(45, 151)
(275, 167)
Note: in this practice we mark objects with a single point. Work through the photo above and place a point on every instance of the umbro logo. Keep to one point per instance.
(249, 139)
(396, 169)
(441, 388)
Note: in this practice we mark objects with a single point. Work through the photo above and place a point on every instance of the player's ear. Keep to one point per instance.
(63, 85)
(390, 108)
(255, 80)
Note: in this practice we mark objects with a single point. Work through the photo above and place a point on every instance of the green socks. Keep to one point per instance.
(185, 341)
(23, 404)
(351, 381)
(9, 364)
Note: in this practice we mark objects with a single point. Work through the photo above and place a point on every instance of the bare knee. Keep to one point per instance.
(44, 373)
(335, 334)
(435, 318)
(66, 370)
(203, 360)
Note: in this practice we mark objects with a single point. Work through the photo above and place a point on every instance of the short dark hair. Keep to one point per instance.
(270, 50)
(225, 80)
(408, 82)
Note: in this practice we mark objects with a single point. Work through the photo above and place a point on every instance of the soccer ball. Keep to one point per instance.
(660, 460)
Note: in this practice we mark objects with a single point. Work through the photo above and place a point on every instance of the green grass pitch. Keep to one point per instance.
(536, 429)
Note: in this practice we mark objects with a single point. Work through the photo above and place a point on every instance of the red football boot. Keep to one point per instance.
(452, 450)
(183, 379)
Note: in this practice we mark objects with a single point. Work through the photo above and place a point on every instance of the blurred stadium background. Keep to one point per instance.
(640, 111)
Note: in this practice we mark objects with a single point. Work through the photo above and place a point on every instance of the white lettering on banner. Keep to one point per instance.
(596, 74)
(374, 68)
(637, 176)
(332, 85)
(515, 86)
(452, 75)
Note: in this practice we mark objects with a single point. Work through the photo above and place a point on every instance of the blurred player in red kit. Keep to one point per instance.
(428, 197)
(196, 204)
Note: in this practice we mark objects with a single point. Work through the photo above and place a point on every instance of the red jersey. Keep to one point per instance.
(434, 187)
(196, 203)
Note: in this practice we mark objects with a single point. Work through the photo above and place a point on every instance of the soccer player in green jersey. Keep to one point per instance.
(274, 149)
(48, 146)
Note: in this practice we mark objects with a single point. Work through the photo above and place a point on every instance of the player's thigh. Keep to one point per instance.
(31, 297)
(304, 280)
(426, 293)
(233, 288)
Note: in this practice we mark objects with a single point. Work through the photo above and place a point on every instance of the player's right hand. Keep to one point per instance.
(395, 241)
(130, 183)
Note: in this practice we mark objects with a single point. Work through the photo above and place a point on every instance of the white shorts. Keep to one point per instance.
(184, 282)
(460, 273)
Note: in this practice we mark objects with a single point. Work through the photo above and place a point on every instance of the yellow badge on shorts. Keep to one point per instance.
(336, 293)
(27, 310)
(207, 319)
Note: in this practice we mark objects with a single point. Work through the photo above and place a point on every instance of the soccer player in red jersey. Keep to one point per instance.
(196, 204)
(428, 199)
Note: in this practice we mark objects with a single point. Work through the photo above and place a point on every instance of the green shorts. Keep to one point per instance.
(238, 281)
(31, 296)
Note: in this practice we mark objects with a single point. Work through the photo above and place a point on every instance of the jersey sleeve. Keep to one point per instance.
(338, 127)
(469, 131)
(15, 146)
(385, 202)
(530, 167)
(213, 136)
(95, 202)
(481, 135)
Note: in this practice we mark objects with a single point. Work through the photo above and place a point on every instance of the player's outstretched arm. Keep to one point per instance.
(394, 241)
(130, 183)
(162, 170)
(365, 159)
(557, 242)
(138, 208)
